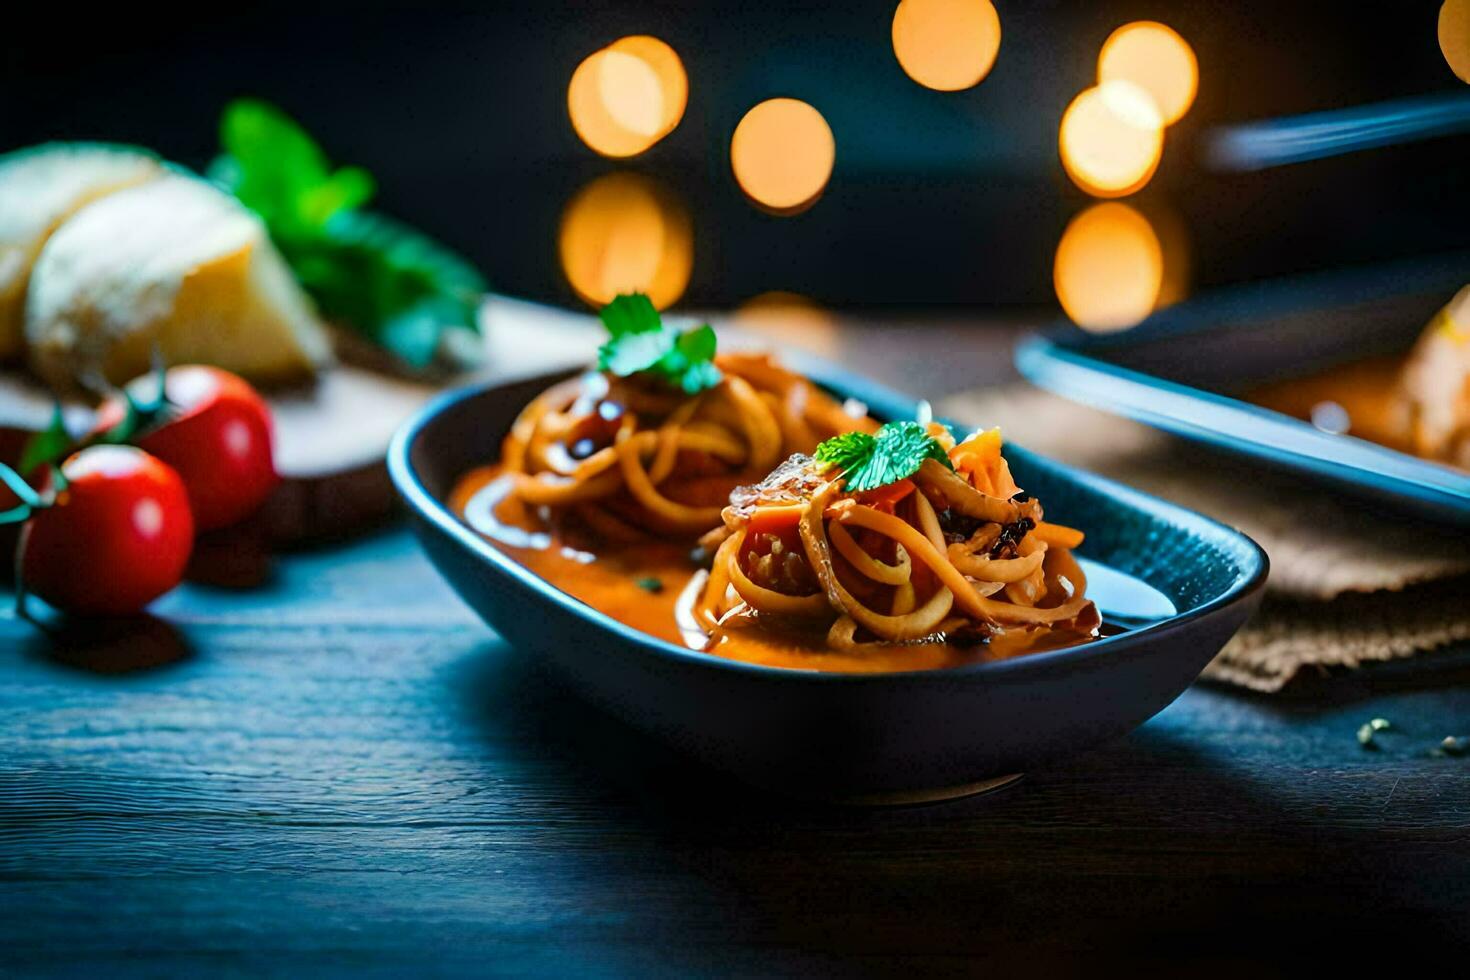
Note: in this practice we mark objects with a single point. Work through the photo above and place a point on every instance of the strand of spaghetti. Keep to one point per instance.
(904, 599)
(1063, 564)
(834, 419)
(1057, 535)
(665, 454)
(1007, 612)
(715, 441)
(530, 416)
(1002, 484)
(786, 424)
(963, 497)
(599, 462)
(760, 426)
(919, 547)
(635, 477)
(707, 611)
(929, 521)
(549, 490)
(896, 574)
(769, 600)
(909, 626)
(993, 569)
(1031, 587)
(843, 632)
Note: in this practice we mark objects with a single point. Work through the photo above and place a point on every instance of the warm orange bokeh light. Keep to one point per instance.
(628, 96)
(1155, 58)
(1454, 36)
(1109, 270)
(782, 154)
(673, 83)
(1111, 139)
(946, 44)
(623, 232)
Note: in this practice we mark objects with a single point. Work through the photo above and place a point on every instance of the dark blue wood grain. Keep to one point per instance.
(347, 774)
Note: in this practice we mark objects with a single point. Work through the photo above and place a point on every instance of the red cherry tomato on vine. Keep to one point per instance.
(218, 438)
(116, 538)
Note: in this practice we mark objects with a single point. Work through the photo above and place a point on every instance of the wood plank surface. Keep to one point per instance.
(343, 771)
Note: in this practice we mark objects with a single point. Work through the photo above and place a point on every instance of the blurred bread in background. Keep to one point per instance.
(40, 188)
(1435, 385)
(173, 265)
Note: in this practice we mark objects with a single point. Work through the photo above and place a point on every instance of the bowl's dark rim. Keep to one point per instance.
(1251, 560)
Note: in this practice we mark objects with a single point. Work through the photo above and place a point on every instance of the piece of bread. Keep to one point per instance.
(40, 188)
(174, 265)
(1435, 385)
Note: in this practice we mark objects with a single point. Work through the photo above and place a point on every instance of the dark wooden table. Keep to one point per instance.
(345, 772)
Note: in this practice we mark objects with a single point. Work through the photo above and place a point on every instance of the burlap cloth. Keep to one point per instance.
(1348, 586)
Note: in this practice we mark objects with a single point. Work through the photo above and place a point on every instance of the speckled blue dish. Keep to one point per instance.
(1181, 369)
(868, 737)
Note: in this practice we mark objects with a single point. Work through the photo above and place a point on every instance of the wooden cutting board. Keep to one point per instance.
(332, 438)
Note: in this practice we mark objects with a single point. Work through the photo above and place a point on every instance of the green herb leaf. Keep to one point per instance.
(649, 583)
(280, 173)
(630, 313)
(46, 446)
(640, 343)
(396, 286)
(870, 461)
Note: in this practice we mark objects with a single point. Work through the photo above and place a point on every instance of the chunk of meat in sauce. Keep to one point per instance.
(794, 481)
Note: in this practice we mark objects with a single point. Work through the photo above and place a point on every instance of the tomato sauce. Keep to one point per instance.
(652, 587)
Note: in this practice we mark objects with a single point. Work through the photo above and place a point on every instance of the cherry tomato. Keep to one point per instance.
(219, 441)
(116, 539)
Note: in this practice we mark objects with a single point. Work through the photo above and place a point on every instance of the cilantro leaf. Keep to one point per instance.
(278, 171)
(640, 343)
(894, 453)
(846, 452)
(397, 287)
(630, 313)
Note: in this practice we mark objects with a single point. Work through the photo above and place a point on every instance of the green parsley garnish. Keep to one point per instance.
(399, 288)
(640, 343)
(650, 583)
(894, 453)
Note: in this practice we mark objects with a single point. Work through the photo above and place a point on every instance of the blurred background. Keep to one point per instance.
(935, 198)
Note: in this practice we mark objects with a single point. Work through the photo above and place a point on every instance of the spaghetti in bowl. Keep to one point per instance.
(835, 734)
(734, 507)
(949, 564)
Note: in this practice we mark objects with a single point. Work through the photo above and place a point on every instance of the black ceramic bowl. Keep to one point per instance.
(874, 737)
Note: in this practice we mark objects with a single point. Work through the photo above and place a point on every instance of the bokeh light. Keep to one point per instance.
(1155, 58)
(946, 44)
(626, 97)
(782, 154)
(624, 232)
(1111, 140)
(1454, 36)
(1109, 271)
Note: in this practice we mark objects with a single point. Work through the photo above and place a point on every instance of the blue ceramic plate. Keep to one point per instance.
(1182, 582)
(1179, 370)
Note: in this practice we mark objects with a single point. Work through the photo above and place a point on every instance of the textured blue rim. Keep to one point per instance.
(1250, 578)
